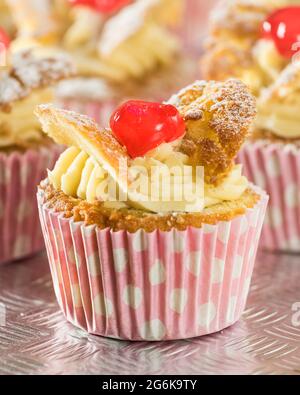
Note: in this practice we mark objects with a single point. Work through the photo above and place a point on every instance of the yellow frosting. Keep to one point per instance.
(280, 119)
(142, 52)
(79, 175)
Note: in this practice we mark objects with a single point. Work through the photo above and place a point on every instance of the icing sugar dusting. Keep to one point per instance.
(29, 72)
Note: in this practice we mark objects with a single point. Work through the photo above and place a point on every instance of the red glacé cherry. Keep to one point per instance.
(102, 6)
(142, 126)
(283, 27)
(4, 39)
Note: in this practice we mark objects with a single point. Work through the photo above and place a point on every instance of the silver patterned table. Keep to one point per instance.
(36, 339)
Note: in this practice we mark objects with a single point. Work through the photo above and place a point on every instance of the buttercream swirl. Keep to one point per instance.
(79, 175)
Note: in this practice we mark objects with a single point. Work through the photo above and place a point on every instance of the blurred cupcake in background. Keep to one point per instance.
(6, 19)
(260, 44)
(271, 158)
(234, 42)
(122, 49)
(25, 152)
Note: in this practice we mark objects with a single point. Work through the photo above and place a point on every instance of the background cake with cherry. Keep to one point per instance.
(260, 43)
(147, 267)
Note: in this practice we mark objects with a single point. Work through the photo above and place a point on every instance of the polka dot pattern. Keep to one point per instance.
(102, 306)
(94, 265)
(132, 296)
(77, 301)
(244, 225)
(276, 216)
(19, 174)
(178, 242)
(273, 167)
(24, 210)
(157, 274)
(238, 266)
(231, 309)
(260, 179)
(71, 256)
(153, 330)
(218, 268)
(140, 242)
(208, 229)
(292, 195)
(206, 314)
(157, 286)
(178, 300)
(120, 259)
(193, 263)
(223, 233)
(21, 244)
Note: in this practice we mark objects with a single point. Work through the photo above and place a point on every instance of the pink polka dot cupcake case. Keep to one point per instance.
(276, 168)
(19, 173)
(152, 286)
(141, 271)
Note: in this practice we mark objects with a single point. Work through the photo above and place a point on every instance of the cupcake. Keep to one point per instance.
(150, 228)
(25, 152)
(122, 50)
(268, 61)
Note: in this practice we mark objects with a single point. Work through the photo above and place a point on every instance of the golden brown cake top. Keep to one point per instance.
(133, 220)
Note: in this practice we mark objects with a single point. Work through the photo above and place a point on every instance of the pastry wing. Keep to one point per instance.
(218, 116)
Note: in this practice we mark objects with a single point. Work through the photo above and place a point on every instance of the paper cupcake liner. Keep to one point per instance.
(152, 286)
(20, 173)
(276, 168)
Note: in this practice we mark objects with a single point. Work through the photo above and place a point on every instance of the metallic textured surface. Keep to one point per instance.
(37, 340)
